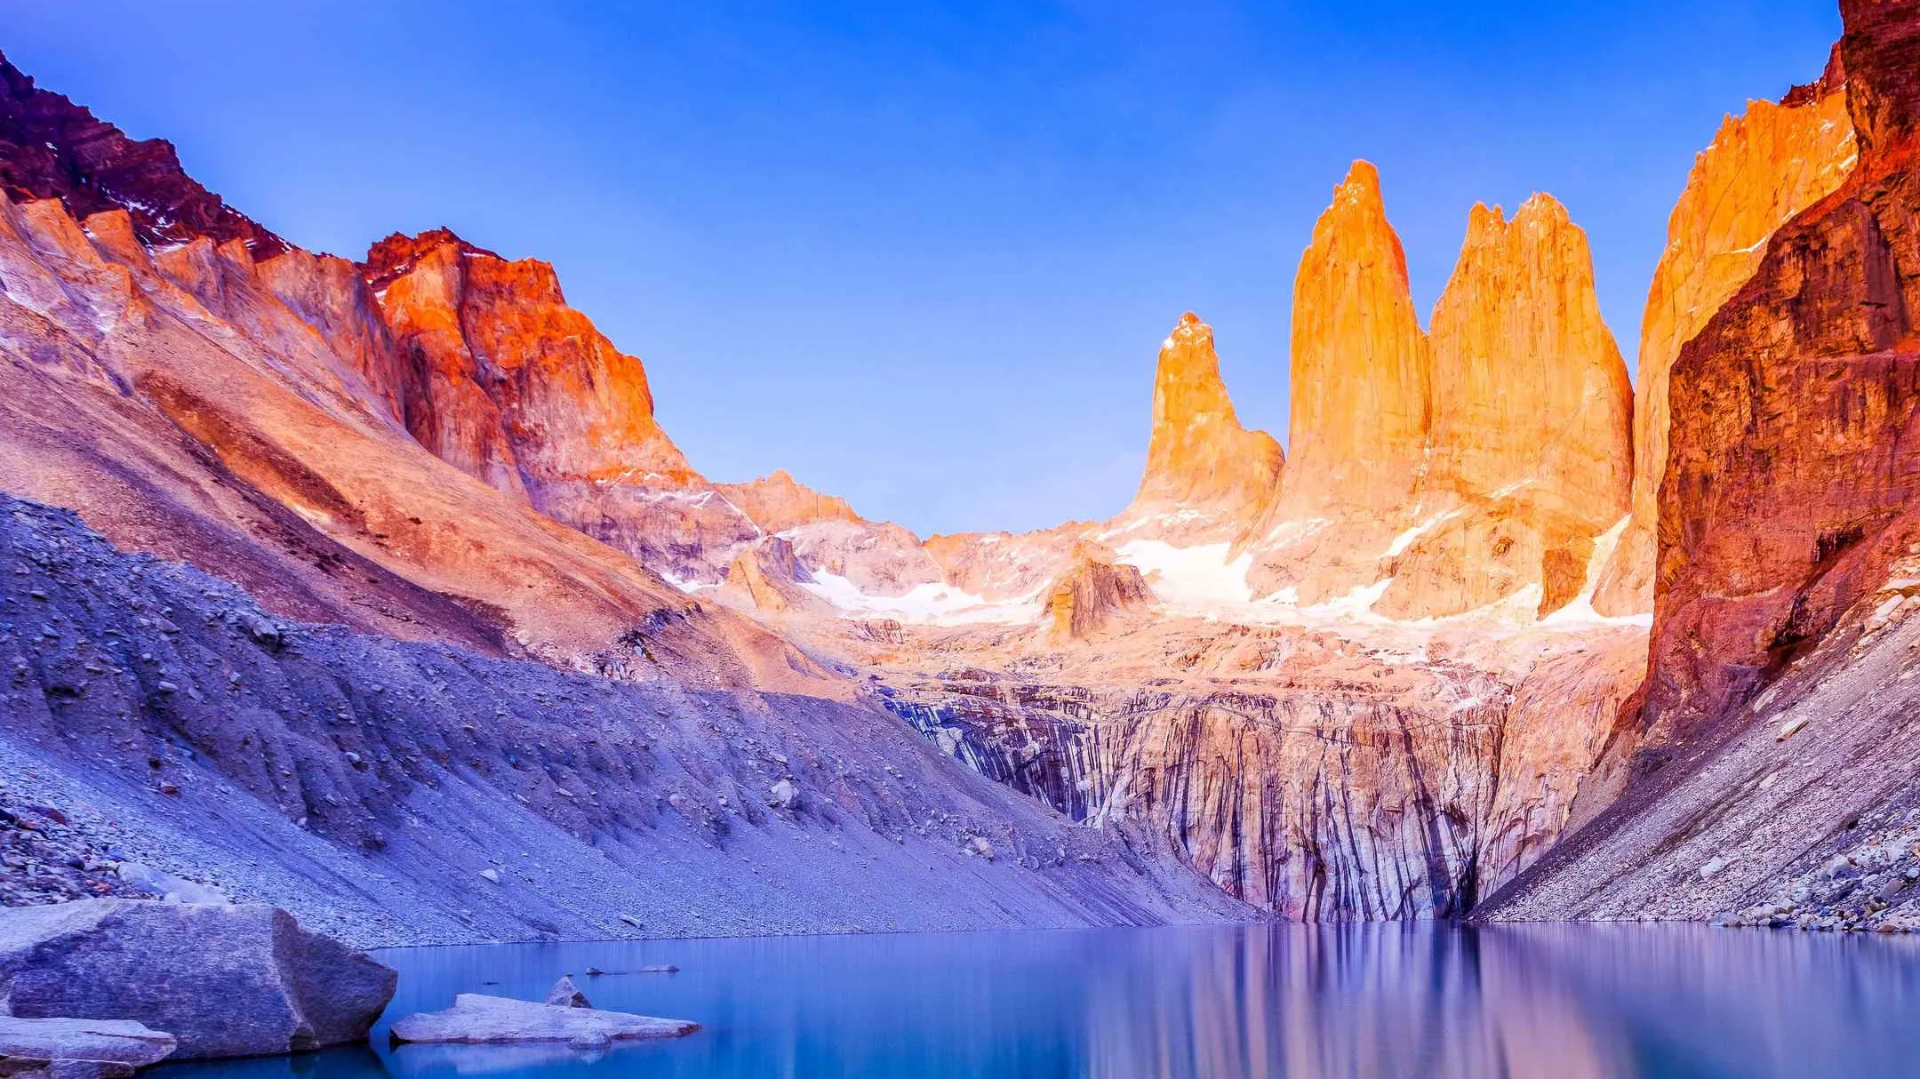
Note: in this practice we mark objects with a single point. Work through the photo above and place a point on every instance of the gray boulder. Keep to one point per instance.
(478, 1018)
(225, 981)
(565, 994)
(79, 1048)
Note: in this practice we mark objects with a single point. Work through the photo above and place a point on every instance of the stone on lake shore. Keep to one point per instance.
(224, 981)
(478, 1018)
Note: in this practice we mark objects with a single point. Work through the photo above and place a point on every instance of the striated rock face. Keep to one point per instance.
(1529, 454)
(1320, 777)
(51, 148)
(1762, 169)
(1093, 596)
(1793, 468)
(1207, 478)
(1361, 372)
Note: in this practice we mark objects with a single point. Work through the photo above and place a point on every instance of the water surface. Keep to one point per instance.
(1393, 1002)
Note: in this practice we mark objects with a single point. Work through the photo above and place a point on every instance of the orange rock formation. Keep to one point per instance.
(519, 390)
(1094, 595)
(1530, 455)
(1761, 170)
(1207, 477)
(1360, 366)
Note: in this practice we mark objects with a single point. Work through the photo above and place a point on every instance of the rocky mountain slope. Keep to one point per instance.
(51, 148)
(388, 793)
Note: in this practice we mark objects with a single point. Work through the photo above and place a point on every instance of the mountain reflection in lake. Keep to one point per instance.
(1357, 1002)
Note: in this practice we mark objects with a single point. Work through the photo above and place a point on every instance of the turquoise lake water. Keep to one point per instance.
(1353, 1002)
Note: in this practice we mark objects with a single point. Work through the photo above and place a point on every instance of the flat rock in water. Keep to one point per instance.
(478, 1018)
(119, 1041)
(225, 981)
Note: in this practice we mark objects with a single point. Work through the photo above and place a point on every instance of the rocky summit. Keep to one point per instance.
(316, 571)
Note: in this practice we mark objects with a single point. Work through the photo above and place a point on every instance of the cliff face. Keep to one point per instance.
(1311, 774)
(1433, 475)
(51, 148)
(1207, 478)
(1792, 470)
(517, 389)
(1361, 405)
(1528, 457)
(1762, 169)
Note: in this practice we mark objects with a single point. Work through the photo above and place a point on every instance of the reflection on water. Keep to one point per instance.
(1556, 1002)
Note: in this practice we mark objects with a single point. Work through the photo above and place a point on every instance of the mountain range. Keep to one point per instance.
(384, 595)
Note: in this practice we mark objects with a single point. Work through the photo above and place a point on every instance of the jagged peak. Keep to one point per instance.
(1358, 215)
(1541, 204)
(1189, 331)
(1485, 224)
(51, 147)
(393, 256)
(1361, 186)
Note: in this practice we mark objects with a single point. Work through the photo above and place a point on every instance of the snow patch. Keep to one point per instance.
(932, 603)
(1199, 579)
(1580, 612)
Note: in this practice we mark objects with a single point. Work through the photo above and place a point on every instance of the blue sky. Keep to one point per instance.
(922, 255)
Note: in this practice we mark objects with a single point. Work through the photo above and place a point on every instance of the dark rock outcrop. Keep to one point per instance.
(226, 981)
(51, 148)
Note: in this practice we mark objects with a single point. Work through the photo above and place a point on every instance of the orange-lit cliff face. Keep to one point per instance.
(1762, 169)
(1361, 404)
(1435, 474)
(1361, 369)
(1207, 478)
(512, 386)
(1528, 457)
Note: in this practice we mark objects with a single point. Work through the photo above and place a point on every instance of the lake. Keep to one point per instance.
(1303, 1002)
